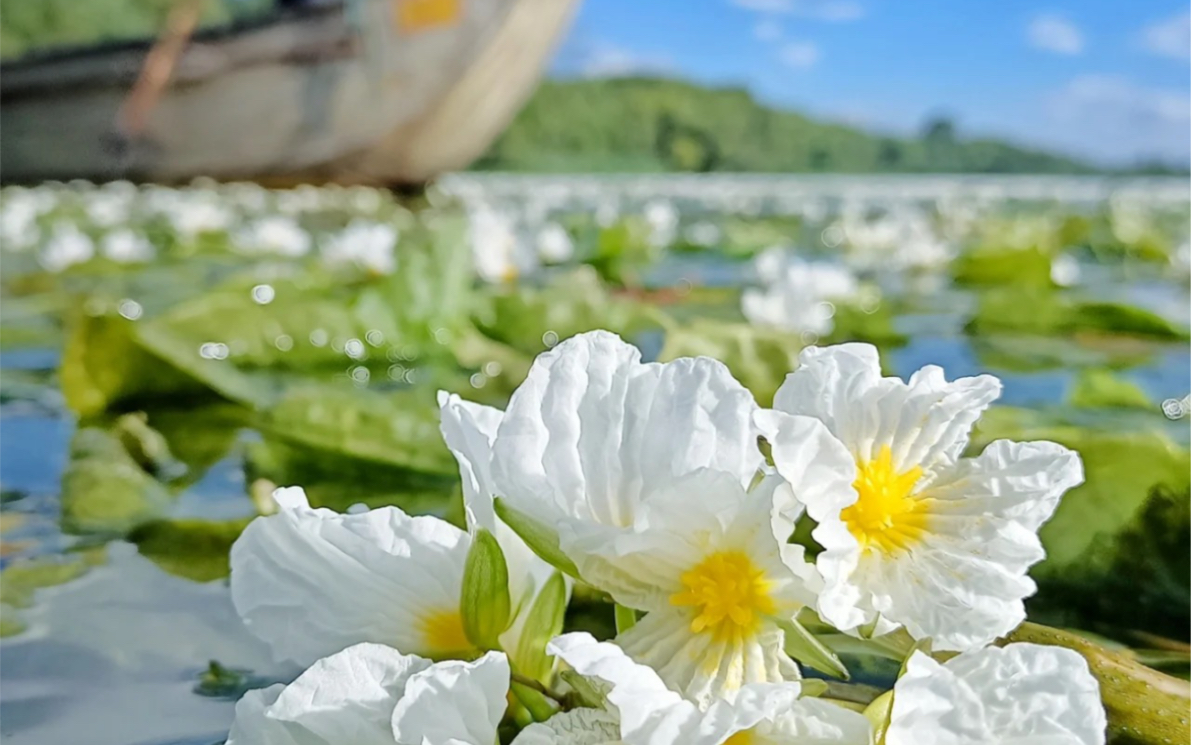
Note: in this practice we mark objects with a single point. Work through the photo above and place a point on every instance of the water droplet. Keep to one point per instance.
(284, 342)
(492, 368)
(361, 374)
(809, 338)
(263, 294)
(130, 309)
(318, 338)
(374, 337)
(478, 380)
(410, 376)
(550, 339)
(442, 336)
(396, 371)
(354, 348)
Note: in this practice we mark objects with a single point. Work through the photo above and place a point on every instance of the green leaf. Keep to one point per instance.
(104, 490)
(484, 602)
(1020, 267)
(760, 358)
(194, 549)
(803, 646)
(543, 622)
(1047, 313)
(1096, 388)
(398, 429)
(540, 538)
(521, 316)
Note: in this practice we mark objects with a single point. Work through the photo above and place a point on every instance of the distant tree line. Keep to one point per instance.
(647, 124)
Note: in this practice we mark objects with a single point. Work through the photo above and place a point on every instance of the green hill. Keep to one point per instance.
(645, 124)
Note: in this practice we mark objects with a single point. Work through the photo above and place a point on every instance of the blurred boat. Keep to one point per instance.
(360, 91)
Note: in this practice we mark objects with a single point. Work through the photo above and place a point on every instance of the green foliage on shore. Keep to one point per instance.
(646, 125)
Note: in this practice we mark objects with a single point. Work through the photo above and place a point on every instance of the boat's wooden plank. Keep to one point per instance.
(306, 38)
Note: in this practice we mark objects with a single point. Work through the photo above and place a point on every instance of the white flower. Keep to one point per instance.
(275, 234)
(311, 582)
(662, 218)
(800, 298)
(109, 207)
(368, 245)
(554, 244)
(370, 694)
(127, 247)
(1020, 693)
(19, 211)
(498, 254)
(67, 246)
(192, 213)
(922, 538)
(651, 714)
(469, 430)
(1065, 270)
(642, 469)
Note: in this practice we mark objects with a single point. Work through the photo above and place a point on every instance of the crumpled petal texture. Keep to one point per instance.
(1022, 693)
(345, 698)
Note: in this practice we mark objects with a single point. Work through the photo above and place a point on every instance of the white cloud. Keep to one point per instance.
(1113, 117)
(1169, 38)
(1054, 33)
(836, 11)
(604, 60)
(767, 30)
(800, 55)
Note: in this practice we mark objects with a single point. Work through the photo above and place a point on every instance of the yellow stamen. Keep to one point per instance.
(740, 738)
(731, 595)
(443, 632)
(886, 516)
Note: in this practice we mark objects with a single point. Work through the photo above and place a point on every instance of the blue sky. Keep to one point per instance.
(1104, 79)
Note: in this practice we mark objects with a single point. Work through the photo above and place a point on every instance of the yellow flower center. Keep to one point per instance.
(886, 516)
(741, 738)
(729, 593)
(443, 632)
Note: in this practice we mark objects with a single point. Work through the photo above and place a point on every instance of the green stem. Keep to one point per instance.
(535, 701)
(626, 618)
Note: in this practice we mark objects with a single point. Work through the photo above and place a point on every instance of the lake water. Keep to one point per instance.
(109, 630)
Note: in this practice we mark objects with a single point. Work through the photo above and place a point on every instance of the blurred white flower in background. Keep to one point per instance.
(126, 246)
(704, 233)
(799, 295)
(662, 217)
(192, 213)
(109, 206)
(499, 255)
(19, 211)
(1065, 270)
(554, 244)
(276, 234)
(67, 245)
(365, 244)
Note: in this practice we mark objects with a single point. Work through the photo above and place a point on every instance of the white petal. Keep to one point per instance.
(818, 467)
(925, 421)
(347, 697)
(252, 725)
(311, 582)
(701, 667)
(469, 429)
(809, 721)
(454, 703)
(592, 429)
(1019, 693)
(685, 724)
(575, 727)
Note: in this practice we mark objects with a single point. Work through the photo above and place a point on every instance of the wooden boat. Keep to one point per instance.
(360, 91)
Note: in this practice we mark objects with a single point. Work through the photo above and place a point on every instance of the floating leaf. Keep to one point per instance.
(194, 549)
(104, 490)
(1099, 388)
